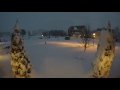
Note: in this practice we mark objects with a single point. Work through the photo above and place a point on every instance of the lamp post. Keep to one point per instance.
(93, 37)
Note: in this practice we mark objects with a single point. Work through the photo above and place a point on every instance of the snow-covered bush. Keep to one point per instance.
(21, 66)
(104, 55)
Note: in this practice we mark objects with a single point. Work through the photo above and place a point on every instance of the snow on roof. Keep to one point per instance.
(75, 28)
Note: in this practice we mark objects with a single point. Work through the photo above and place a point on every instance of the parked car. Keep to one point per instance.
(67, 37)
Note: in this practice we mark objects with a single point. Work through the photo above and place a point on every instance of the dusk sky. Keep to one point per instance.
(57, 20)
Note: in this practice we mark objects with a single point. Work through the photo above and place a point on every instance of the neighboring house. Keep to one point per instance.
(98, 31)
(77, 30)
(116, 33)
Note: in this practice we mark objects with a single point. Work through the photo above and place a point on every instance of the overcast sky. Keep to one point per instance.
(57, 20)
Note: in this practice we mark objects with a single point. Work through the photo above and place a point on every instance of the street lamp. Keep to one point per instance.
(93, 37)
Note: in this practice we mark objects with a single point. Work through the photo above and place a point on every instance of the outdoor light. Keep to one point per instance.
(93, 34)
(93, 37)
(42, 35)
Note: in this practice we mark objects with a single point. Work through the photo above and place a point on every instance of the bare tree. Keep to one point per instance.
(86, 36)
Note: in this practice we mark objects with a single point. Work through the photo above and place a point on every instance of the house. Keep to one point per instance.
(98, 32)
(79, 30)
(116, 33)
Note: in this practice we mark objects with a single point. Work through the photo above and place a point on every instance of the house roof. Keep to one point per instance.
(76, 27)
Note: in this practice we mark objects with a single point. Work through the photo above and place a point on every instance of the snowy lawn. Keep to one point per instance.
(59, 58)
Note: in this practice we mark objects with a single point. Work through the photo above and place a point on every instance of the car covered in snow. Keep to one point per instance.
(67, 37)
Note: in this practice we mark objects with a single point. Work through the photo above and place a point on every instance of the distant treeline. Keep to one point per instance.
(47, 32)
(55, 33)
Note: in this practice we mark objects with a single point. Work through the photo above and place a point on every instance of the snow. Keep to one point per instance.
(104, 55)
(20, 64)
(75, 28)
(59, 58)
(2, 47)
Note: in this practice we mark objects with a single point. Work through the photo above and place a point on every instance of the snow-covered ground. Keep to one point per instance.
(59, 58)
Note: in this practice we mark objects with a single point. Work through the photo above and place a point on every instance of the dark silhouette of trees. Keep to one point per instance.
(86, 36)
(22, 32)
(57, 33)
(29, 34)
